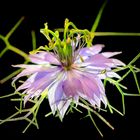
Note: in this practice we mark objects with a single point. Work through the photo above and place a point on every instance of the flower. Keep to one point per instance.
(69, 71)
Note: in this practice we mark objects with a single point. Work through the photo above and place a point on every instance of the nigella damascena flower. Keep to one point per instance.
(69, 72)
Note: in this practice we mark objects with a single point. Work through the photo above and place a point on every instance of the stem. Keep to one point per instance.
(115, 34)
(136, 80)
(131, 94)
(5, 96)
(95, 124)
(3, 52)
(48, 114)
(135, 59)
(109, 106)
(9, 76)
(14, 28)
(12, 48)
(98, 18)
(103, 119)
(122, 94)
(116, 110)
(125, 75)
(33, 40)
(19, 52)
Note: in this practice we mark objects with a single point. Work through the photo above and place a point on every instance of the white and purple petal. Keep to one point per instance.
(44, 58)
(95, 49)
(31, 69)
(91, 86)
(57, 99)
(110, 54)
(72, 85)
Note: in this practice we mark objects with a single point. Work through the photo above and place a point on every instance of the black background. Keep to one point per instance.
(117, 17)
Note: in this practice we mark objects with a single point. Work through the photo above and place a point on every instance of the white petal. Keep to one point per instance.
(27, 83)
(76, 100)
(97, 100)
(112, 74)
(95, 49)
(92, 102)
(52, 90)
(63, 106)
(104, 99)
(118, 62)
(51, 97)
(110, 54)
(102, 76)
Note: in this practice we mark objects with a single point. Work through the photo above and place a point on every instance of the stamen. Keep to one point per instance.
(81, 58)
(103, 71)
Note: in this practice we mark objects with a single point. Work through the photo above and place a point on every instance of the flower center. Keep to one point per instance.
(65, 54)
(67, 68)
(67, 49)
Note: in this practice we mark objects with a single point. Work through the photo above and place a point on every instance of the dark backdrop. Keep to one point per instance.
(117, 17)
